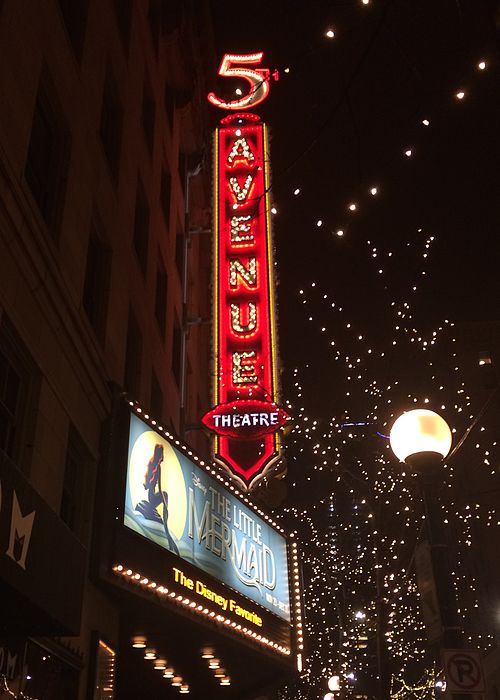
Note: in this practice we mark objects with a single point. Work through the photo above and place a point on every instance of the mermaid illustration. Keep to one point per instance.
(152, 483)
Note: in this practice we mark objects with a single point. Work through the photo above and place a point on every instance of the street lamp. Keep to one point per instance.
(334, 683)
(422, 439)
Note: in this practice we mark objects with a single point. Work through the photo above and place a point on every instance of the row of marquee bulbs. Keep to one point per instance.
(160, 664)
(163, 592)
(214, 665)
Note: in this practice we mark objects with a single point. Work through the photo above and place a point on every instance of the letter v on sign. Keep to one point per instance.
(240, 191)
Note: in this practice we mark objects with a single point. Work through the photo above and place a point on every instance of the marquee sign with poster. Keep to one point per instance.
(246, 420)
(212, 536)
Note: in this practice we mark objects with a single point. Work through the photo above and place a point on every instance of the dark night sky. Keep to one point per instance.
(341, 121)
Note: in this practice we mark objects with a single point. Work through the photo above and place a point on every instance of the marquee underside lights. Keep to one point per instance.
(208, 612)
(246, 419)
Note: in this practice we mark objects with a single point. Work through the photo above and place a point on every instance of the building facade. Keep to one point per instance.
(105, 307)
(104, 288)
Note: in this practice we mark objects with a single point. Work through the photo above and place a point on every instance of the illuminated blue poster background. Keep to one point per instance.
(176, 504)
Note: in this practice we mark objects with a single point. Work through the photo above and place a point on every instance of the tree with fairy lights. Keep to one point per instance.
(357, 511)
(373, 266)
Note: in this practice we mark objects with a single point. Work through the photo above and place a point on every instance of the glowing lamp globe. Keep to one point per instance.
(334, 683)
(420, 432)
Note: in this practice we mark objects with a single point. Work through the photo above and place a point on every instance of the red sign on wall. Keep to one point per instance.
(246, 419)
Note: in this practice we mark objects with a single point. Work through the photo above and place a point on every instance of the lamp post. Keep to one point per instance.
(422, 439)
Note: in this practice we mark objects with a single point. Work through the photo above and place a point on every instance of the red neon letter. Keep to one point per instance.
(257, 78)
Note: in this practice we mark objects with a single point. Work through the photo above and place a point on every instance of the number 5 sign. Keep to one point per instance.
(237, 66)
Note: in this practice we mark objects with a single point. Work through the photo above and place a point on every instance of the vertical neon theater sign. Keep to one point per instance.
(246, 419)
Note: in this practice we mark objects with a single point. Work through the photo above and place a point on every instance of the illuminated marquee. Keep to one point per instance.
(205, 547)
(172, 501)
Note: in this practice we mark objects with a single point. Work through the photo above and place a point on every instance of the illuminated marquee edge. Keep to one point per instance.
(274, 462)
(164, 594)
(297, 613)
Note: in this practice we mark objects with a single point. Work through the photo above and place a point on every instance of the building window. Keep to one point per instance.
(179, 252)
(74, 13)
(165, 191)
(161, 295)
(148, 115)
(96, 285)
(10, 390)
(73, 510)
(48, 156)
(123, 12)
(170, 104)
(104, 688)
(176, 351)
(111, 126)
(156, 397)
(182, 165)
(17, 389)
(49, 676)
(141, 228)
(133, 356)
(154, 18)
